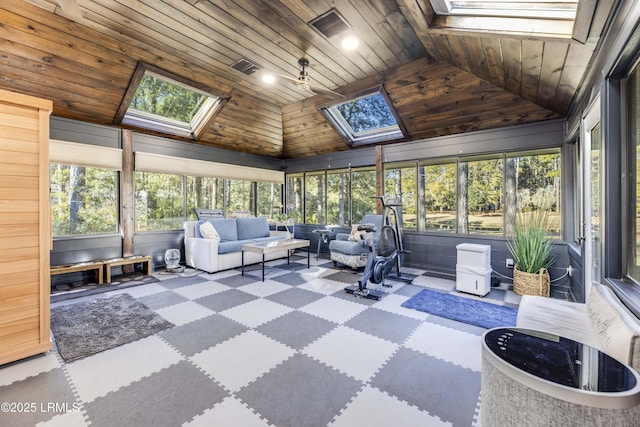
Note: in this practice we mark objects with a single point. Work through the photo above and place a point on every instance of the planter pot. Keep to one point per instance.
(531, 283)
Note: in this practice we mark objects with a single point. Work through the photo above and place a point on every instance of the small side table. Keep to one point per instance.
(323, 238)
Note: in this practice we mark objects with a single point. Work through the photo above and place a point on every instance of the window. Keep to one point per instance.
(400, 186)
(159, 201)
(239, 197)
(83, 200)
(161, 103)
(338, 197)
(552, 18)
(514, 8)
(633, 166)
(365, 120)
(269, 199)
(295, 195)
(314, 198)
(204, 193)
(465, 195)
(480, 204)
(363, 191)
(537, 185)
(438, 197)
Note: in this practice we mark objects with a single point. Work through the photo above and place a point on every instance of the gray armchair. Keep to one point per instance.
(353, 253)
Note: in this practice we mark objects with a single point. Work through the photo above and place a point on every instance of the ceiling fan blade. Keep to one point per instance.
(295, 79)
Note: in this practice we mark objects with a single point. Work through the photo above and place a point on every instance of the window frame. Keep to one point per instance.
(356, 139)
(193, 130)
(117, 183)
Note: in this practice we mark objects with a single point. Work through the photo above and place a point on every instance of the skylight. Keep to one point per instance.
(545, 9)
(163, 104)
(367, 119)
(546, 18)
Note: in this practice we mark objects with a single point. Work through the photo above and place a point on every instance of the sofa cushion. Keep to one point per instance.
(250, 228)
(617, 329)
(208, 231)
(347, 247)
(226, 228)
(232, 246)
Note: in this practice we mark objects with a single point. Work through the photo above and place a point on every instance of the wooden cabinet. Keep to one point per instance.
(25, 226)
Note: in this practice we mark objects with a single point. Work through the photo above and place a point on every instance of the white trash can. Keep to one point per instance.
(473, 269)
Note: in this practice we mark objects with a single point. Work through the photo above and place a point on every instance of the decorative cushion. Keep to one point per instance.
(196, 228)
(617, 329)
(356, 235)
(226, 228)
(251, 228)
(208, 231)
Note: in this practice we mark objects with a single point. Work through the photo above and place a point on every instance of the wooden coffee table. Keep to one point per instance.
(275, 246)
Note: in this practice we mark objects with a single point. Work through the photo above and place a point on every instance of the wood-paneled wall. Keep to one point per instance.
(25, 226)
(432, 98)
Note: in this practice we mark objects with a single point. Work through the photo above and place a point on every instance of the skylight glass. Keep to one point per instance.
(365, 120)
(165, 105)
(544, 9)
(543, 18)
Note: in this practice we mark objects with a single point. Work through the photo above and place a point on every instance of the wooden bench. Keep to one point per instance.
(82, 266)
(144, 259)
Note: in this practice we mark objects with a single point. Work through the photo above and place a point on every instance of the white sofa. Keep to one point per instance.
(225, 252)
(603, 322)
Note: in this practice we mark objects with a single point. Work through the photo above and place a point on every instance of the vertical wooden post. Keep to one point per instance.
(379, 178)
(127, 197)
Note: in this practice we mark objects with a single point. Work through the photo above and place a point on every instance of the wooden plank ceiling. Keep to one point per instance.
(82, 54)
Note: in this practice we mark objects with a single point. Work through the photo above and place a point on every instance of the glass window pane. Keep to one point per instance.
(367, 114)
(482, 197)
(84, 200)
(166, 99)
(166, 105)
(239, 197)
(159, 201)
(537, 185)
(633, 118)
(269, 199)
(314, 198)
(294, 199)
(338, 197)
(365, 120)
(400, 186)
(203, 193)
(363, 191)
(438, 196)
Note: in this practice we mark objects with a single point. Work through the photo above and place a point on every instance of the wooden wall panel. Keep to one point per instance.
(431, 98)
(25, 226)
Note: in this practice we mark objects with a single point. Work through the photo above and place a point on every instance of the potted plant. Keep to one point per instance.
(531, 251)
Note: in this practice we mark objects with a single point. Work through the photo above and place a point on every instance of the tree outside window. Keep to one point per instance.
(83, 200)
(159, 201)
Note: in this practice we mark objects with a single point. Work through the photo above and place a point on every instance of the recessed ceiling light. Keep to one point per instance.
(350, 43)
(268, 78)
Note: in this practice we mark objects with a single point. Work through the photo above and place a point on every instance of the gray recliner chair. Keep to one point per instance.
(353, 253)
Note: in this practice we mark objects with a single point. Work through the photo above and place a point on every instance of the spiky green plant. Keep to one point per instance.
(529, 246)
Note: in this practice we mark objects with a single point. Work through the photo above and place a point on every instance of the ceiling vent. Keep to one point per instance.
(245, 66)
(330, 23)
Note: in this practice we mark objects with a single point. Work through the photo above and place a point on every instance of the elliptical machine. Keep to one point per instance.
(384, 253)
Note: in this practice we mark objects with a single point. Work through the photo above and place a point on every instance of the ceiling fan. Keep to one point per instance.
(303, 82)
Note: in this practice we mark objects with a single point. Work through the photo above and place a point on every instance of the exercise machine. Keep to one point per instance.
(384, 253)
